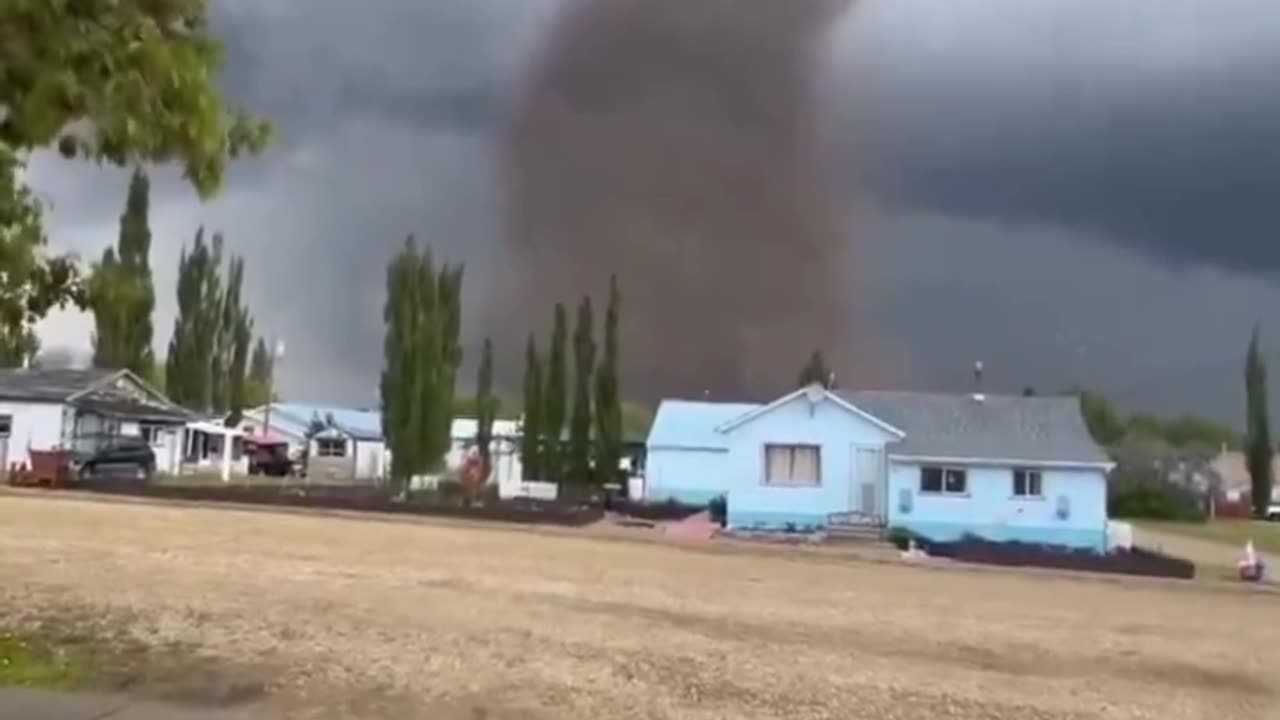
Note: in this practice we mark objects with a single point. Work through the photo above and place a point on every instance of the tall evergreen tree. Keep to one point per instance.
(121, 293)
(421, 354)
(608, 395)
(232, 337)
(1258, 447)
(486, 409)
(584, 358)
(554, 399)
(531, 425)
(400, 315)
(258, 386)
(816, 371)
(189, 365)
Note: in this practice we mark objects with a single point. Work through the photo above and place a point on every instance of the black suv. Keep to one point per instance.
(120, 456)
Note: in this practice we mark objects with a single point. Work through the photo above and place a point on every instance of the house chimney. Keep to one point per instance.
(977, 382)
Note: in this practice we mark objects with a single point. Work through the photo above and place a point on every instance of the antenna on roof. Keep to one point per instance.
(977, 382)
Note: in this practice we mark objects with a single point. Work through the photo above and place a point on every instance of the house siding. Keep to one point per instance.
(35, 426)
(685, 475)
(990, 510)
(834, 429)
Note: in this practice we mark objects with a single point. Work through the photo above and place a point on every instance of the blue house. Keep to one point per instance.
(1004, 468)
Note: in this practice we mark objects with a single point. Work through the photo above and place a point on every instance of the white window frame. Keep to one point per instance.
(150, 432)
(791, 481)
(1028, 474)
(322, 443)
(944, 470)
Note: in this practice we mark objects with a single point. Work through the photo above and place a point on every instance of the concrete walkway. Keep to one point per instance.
(42, 705)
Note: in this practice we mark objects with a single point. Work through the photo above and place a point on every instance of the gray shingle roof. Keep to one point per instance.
(1039, 429)
(46, 385)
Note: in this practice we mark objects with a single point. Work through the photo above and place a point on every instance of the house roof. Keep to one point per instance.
(41, 385)
(1034, 429)
(691, 424)
(293, 419)
(819, 393)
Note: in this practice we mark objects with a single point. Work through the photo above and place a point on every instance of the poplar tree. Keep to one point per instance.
(121, 293)
(554, 399)
(584, 357)
(608, 409)
(531, 425)
(258, 386)
(1258, 447)
(486, 409)
(421, 355)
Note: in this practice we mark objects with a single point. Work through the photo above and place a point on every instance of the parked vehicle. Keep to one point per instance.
(1273, 512)
(269, 459)
(118, 456)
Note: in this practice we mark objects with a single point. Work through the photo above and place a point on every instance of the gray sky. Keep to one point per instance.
(1073, 191)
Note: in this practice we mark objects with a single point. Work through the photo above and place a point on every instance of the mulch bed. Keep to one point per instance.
(360, 498)
(653, 512)
(1012, 554)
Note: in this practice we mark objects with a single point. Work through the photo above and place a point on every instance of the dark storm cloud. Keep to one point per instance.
(1013, 143)
(1155, 126)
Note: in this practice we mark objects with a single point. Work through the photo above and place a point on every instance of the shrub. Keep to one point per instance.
(1155, 501)
(898, 537)
(719, 509)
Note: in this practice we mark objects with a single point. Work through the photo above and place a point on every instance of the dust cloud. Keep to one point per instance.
(677, 143)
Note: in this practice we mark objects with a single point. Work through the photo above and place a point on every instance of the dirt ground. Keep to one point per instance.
(371, 619)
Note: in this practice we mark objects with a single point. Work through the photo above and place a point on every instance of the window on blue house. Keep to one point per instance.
(792, 465)
(943, 481)
(1027, 483)
(331, 447)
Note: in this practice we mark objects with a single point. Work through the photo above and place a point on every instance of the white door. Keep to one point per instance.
(867, 499)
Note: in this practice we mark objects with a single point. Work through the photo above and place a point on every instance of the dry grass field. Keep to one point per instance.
(359, 618)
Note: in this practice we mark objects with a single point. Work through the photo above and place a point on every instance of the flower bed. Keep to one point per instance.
(1015, 554)
(363, 498)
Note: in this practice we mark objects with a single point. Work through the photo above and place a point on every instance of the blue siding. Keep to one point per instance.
(990, 510)
(688, 476)
(829, 425)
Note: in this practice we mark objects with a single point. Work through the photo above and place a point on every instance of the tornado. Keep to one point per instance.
(677, 144)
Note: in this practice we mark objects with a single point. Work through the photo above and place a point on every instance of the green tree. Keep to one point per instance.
(31, 284)
(19, 350)
(1258, 450)
(531, 424)
(190, 361)
(1105, 424)
(584, 358)
(258, 385)
(554, 399)
(125, 82)
(401, 316)
(815, 372)
(421, 354)
(486, 409)
(232, 336)
(608, 395)
(121, 293)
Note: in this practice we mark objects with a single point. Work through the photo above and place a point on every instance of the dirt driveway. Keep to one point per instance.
(390, 619)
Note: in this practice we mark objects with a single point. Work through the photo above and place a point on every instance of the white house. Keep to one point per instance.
(348, 444)
(47, 409)
(943, 466)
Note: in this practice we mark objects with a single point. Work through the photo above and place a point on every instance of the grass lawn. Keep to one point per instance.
(33, 661)
(1265, 535)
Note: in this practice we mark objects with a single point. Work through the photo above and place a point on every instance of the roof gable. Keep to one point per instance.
(996, 427)
(815, 394)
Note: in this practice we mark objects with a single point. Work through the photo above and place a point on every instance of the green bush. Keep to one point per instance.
(719, 509)
(1156, 501)
(900, 537)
